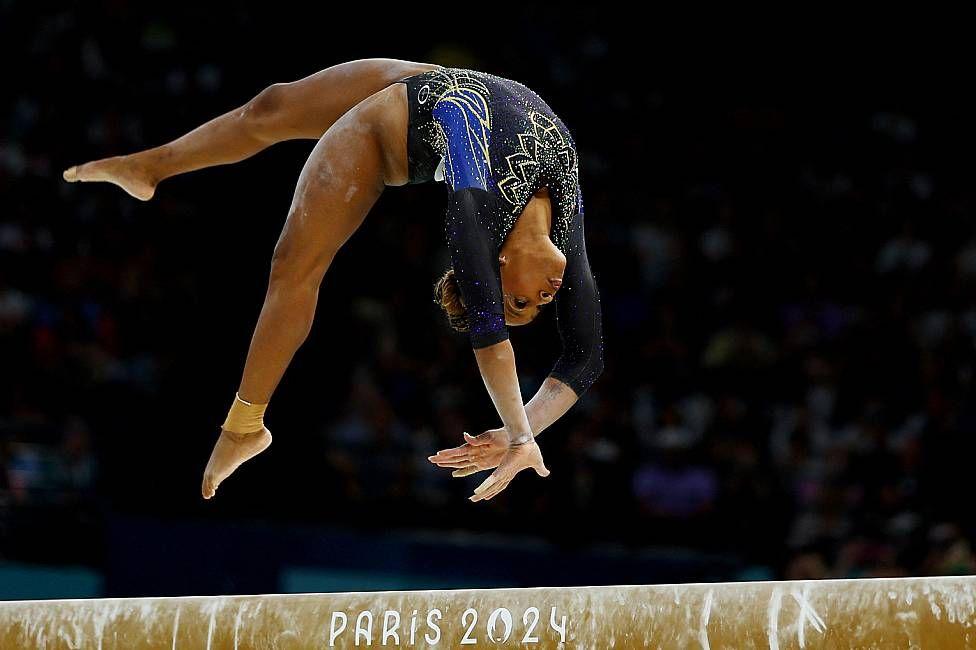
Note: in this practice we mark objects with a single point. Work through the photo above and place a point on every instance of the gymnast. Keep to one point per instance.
(513, 224)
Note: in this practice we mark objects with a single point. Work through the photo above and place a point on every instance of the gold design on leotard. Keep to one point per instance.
(543, 148)
(461, 89)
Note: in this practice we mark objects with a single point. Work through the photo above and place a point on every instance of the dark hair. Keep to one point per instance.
(447, 294)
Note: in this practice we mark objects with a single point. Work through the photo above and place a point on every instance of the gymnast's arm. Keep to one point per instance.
(497, 365)
(475, 262)
(581, 331)
(550, 403)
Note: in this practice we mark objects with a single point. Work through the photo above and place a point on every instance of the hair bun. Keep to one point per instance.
(447, 294)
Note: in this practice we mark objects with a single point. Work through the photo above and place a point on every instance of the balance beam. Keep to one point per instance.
(878, 613)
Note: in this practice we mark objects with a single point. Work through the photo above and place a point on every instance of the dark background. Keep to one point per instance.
(783, 233)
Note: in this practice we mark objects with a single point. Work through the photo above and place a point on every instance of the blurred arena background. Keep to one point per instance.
(785, 246)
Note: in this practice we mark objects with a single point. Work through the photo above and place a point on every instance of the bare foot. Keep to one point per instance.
(123, 171)
(230, 452)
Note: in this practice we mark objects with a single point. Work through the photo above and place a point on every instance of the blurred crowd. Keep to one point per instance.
(788, 284)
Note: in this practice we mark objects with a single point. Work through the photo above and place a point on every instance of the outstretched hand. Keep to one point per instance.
(478, 453)
(516, 459)
(491, 449)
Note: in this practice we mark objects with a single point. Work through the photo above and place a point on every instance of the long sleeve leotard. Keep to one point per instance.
(495, 143)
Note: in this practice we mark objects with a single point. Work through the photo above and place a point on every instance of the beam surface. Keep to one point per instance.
(880, 613)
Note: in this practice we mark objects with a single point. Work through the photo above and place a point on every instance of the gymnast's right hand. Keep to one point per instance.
(478, 453)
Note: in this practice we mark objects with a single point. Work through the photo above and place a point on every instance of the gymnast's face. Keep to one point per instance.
(529, 283)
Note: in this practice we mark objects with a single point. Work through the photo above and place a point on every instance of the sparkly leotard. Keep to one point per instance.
(495, 143)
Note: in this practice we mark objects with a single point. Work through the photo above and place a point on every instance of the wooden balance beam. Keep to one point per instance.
(878, 613)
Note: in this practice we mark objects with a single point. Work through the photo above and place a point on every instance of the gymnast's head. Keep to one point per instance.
(530, 279)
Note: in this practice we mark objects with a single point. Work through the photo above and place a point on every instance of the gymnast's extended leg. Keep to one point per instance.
(345, 174)
(284, 111)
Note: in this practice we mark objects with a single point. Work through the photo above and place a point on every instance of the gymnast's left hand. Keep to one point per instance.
(478, 453)
(516, 458)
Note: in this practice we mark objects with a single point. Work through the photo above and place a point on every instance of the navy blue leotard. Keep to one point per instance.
(495, 143)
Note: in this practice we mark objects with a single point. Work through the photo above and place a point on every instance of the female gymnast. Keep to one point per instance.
(514, 227)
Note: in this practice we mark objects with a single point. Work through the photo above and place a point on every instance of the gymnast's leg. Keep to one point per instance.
(284, 111)
(362, 152)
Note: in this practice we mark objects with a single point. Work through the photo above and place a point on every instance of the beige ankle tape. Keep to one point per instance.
(244, 417)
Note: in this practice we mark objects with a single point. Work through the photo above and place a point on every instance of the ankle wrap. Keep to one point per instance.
(244, 417)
